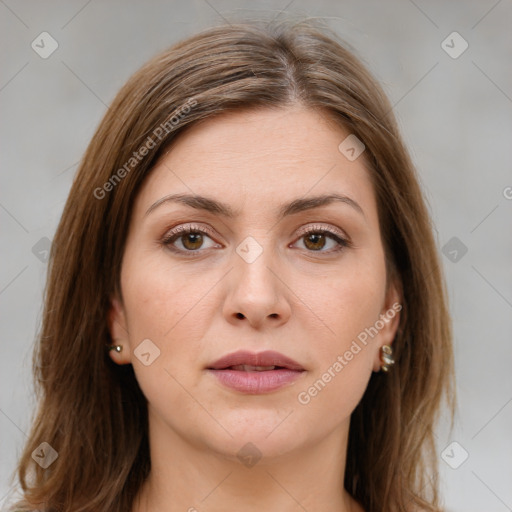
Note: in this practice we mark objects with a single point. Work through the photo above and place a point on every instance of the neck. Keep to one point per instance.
(194, 477)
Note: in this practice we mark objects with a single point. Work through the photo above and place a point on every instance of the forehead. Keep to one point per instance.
(259, 156)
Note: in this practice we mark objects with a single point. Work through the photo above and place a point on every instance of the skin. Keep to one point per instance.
(299, 297)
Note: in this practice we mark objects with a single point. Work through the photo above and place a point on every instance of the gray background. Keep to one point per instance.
(455, 115)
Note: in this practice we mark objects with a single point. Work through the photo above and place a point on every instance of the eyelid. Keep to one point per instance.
(185, 228)
(308, 228)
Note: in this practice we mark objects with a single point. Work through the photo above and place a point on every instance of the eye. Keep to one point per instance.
(189, 237)
(317, 238)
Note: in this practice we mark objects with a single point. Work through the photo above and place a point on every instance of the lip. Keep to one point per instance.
(258, 381)
(267, 358)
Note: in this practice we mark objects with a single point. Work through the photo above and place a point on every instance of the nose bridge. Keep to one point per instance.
(256, 292)
(253, 266)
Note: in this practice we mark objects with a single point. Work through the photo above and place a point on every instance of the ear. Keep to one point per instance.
(118, 329)
(390, 318)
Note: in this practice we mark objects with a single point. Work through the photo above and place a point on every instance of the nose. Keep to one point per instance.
(257, 294)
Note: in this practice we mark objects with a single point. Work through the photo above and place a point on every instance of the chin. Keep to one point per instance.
(251, 449)
(262, 434)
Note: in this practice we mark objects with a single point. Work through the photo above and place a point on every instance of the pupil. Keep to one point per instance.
(193, 241)
(316, 237)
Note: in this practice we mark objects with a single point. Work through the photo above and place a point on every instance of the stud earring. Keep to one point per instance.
(117, 348)
(386, 355)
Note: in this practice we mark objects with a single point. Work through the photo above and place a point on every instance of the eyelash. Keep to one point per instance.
(177, 233)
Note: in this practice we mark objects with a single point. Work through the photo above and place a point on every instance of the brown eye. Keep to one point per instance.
(188, 240)
(315, 241)
(192, 241)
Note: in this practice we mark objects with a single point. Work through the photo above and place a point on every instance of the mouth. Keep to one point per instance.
(251, 368)
(256, 373)
(245, 361)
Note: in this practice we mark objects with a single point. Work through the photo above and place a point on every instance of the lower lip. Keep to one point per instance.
(255, 383)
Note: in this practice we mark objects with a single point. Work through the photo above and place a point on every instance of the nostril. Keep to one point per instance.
(239, 315)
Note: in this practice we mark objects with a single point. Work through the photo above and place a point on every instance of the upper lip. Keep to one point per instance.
(267, 358)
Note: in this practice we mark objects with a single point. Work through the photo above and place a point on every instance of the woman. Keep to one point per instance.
(244, 308)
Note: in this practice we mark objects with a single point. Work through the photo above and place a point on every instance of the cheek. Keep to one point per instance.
(344, 355)
(164, 306)
(158, 297)
(331, 399)
(172, 306)
(347, 302)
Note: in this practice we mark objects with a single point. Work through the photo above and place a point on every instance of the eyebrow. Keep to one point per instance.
(223, 209)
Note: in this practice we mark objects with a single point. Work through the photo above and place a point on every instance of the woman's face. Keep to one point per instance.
(268, 266)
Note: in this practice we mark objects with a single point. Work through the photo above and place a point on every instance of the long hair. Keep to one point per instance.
(92, 411)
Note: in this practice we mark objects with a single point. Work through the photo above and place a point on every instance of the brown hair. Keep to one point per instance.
(92, 411)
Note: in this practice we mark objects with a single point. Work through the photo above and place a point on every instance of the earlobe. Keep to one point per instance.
(119, 350)
(390, 317)
(391, 312)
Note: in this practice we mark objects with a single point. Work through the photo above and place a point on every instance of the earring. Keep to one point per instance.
(386, 355)
(117, 348)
